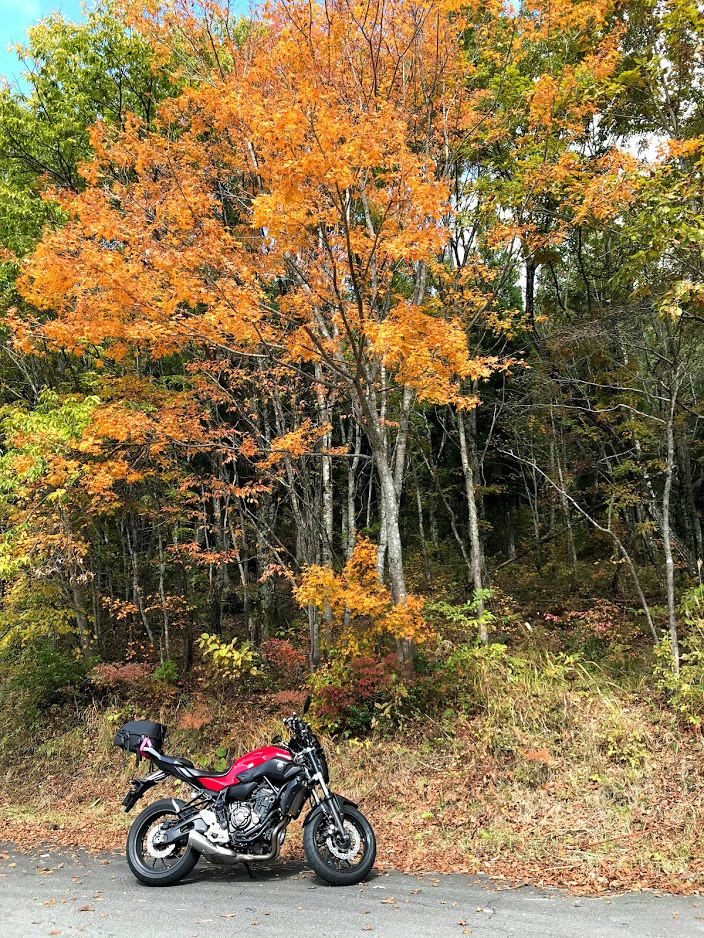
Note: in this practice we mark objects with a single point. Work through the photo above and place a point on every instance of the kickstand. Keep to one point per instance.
(249, 869)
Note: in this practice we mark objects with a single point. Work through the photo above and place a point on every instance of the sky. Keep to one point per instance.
(16, 16)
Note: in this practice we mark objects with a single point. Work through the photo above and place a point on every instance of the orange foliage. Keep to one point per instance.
(292, 211)
(310, 160)
(196, 717)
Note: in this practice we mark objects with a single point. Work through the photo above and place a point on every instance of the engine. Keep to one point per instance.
(241, 821)
(244, 817)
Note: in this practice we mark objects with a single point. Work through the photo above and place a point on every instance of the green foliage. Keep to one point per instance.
(221, 765)
(31, 441)
(463, 622)
(466, 617)
(684, 688)
(230, 659)
(33, 609)
(38, 675)
(32, 437)
(167, 672)
(624, 746)
(78, 73)
(75, 75)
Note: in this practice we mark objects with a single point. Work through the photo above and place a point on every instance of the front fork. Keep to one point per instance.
(330, 806)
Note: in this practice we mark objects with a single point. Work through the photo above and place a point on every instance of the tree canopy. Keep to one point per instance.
(305, 310)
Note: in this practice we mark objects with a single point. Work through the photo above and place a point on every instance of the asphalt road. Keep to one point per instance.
(66, 893)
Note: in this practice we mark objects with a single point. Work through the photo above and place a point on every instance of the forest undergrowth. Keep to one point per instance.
(554, 755)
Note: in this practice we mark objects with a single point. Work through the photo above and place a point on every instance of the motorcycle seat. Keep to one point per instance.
(176, 760)
(187, 764)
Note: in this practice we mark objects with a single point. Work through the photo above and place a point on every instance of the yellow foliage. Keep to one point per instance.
(359, 606)
(227, 658)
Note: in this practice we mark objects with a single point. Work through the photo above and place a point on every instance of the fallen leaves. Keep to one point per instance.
(536, 755)
(552, 833)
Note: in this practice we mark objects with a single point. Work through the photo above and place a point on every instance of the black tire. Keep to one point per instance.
(317, 835)
(181, 860)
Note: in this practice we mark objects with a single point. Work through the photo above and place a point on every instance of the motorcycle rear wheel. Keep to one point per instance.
(152, 865)
(338, 865)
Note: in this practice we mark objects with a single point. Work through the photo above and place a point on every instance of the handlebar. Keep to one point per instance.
(298, 727)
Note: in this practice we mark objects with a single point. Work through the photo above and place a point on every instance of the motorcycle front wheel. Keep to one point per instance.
(151, 864)
(340, 863)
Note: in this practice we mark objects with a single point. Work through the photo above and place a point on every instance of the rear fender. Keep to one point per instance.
(139, 787)
(324, 808)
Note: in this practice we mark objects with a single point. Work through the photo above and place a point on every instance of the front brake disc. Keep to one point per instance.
(348, 852)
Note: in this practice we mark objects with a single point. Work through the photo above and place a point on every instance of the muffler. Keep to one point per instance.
(216, 853)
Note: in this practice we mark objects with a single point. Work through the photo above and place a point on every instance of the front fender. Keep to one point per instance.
(320, 808)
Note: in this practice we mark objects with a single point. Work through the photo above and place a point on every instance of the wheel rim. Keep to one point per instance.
(149, 854)
(344, 858)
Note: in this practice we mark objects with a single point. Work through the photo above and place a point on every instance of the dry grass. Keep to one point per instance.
(551, 784)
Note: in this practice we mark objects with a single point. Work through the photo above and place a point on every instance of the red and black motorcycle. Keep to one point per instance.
(241, 816)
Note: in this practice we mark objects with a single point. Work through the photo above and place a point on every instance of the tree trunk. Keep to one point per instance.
(571, 550)
(325, 419)
(531, 269)
(474, 538)
(432, 513)
(79, 608)
(351, 489)
(509, 520)
(421, 521)
(162, 595)
(137, 590)
(667, 544)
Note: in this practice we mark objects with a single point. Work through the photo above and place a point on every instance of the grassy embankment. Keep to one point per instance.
(560, 777)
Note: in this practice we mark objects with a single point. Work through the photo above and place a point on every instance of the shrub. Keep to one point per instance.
(41, 675)
(464, 621)
(227, 659)
(685, 690)
(360, 609)
(349, 694)
(118, 673)
(287, 663)
(289, 700)
(166, 672)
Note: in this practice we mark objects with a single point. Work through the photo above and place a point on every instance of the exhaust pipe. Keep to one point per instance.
(216, 853)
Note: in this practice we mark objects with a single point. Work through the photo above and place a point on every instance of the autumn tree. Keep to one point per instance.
(289, 208)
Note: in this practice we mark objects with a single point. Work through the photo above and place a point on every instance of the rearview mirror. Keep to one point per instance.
(306, 705)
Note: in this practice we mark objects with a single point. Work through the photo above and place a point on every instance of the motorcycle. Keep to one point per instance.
(241, 815)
